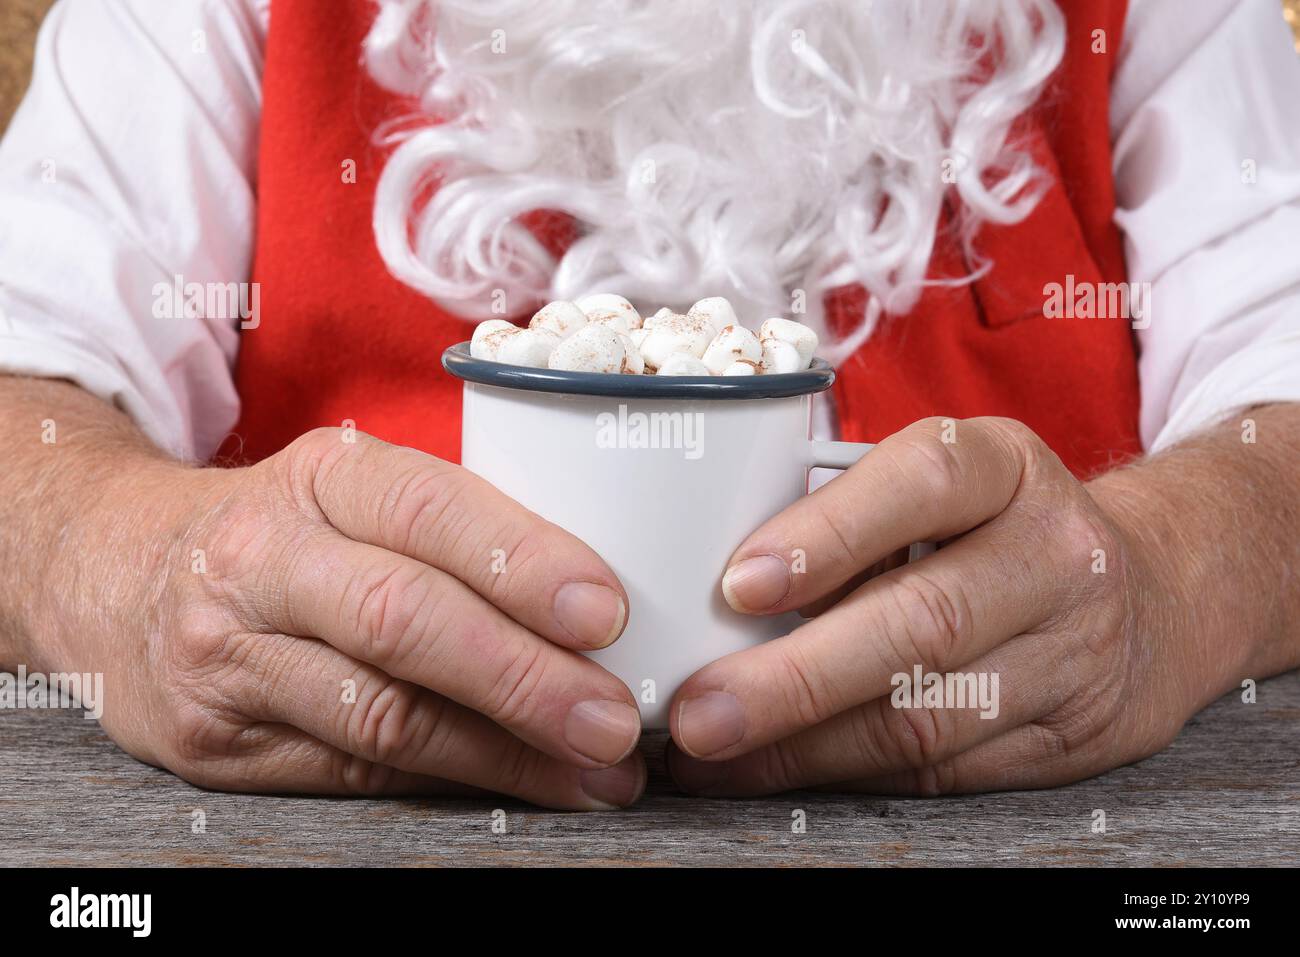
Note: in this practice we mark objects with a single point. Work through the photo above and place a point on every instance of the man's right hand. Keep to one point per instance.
(345, 617)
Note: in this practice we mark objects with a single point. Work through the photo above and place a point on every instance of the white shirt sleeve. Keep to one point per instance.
(1205, 119)
(130, 163)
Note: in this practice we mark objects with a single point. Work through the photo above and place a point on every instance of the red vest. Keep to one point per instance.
(341, 339)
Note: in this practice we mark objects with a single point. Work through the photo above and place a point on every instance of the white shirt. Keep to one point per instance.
(133, 160)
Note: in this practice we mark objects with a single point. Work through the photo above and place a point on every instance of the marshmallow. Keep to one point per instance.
(603, 332)
(716, 311)
(662, 316)
(612, 320)
(731, 344)
(593, 348)
(681, 363)
(676, 334)
(633, 364)
(796, 333)
(779, 356)
(560, 317)
(609, 309)
(528, 347)
(484, 344)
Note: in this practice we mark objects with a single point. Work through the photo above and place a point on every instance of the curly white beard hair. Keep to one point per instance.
(744, 149)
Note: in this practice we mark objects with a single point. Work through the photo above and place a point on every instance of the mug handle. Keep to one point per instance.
(841, 455)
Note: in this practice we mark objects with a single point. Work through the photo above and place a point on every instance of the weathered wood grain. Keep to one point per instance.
(1226, 793)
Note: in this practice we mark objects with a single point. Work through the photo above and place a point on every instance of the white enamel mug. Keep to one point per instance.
(663, 478)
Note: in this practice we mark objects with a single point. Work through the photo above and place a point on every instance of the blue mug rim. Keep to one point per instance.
(458, 362)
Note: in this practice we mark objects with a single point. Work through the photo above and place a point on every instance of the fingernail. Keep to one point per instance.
(756, 584)
(604, 731)
(618, 786)
(710, 722)
(592, 614)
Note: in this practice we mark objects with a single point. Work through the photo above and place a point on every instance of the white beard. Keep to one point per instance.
(766, 151)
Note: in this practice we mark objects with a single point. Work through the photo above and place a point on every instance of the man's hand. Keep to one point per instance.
(1110, 612)
(345, 617)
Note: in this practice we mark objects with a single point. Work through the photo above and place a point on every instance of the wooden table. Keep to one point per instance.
(1227, 792)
